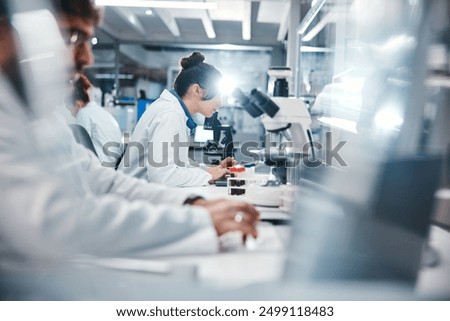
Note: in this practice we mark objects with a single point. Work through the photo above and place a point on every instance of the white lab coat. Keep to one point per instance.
(103, 129)
(58, 201)
(151, 153)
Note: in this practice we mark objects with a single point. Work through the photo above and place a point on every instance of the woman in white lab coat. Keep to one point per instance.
(158, 148)
(101, 125)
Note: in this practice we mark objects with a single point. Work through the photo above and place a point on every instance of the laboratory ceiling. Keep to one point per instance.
(236, 22)
(136, 43)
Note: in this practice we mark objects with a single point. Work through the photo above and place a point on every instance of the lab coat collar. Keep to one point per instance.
(190, 123)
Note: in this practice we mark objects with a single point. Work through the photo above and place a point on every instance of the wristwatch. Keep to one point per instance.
(192, 199)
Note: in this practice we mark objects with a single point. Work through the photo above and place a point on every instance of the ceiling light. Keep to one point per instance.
(148, 12)
(157, 4)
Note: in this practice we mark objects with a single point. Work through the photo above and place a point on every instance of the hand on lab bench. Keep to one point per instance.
(228, 162)
(229, 215)
(217, 172)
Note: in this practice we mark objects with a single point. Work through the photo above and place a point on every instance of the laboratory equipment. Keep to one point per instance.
(280, 86)
(222, 144)
(287, 123)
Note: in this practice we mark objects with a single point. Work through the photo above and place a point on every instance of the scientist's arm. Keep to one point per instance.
(228, 162)
(45, 213)
(104, 180)
(216, 172)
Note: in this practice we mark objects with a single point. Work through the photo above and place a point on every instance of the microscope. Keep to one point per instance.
(221, 145)
(287, 122)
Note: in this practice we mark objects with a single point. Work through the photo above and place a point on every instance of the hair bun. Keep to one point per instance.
(193, 60)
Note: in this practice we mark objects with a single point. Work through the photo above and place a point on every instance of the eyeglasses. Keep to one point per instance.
(75, 37)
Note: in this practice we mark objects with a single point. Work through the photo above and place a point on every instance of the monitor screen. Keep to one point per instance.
(202, 135)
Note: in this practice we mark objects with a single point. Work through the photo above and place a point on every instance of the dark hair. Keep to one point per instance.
(84, 9)
(80, 89)
(195, 71)
(3, 8)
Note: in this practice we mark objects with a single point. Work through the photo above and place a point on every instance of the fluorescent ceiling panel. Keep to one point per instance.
(158, 4)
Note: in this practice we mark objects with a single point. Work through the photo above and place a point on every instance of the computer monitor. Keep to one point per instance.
(202, 135)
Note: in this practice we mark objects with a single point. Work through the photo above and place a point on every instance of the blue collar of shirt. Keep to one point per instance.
(190, 123)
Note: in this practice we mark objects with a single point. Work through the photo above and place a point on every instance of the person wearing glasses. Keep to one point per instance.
(57, 200)
(158, 148)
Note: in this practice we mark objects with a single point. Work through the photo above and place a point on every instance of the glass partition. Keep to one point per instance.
(364, 206)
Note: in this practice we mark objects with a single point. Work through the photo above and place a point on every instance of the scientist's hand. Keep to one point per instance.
(228, 162)
(217, 172)
(229, 215)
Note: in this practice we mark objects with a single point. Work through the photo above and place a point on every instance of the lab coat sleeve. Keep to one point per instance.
(103, 180)
(45, 216)
(168, 161)
(41, 219)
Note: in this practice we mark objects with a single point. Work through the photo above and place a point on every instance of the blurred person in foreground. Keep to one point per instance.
(57, 200)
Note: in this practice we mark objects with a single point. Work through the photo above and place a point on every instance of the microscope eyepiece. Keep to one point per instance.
(247, 104)
(264, 102)
(257, 103)
(281, 88)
